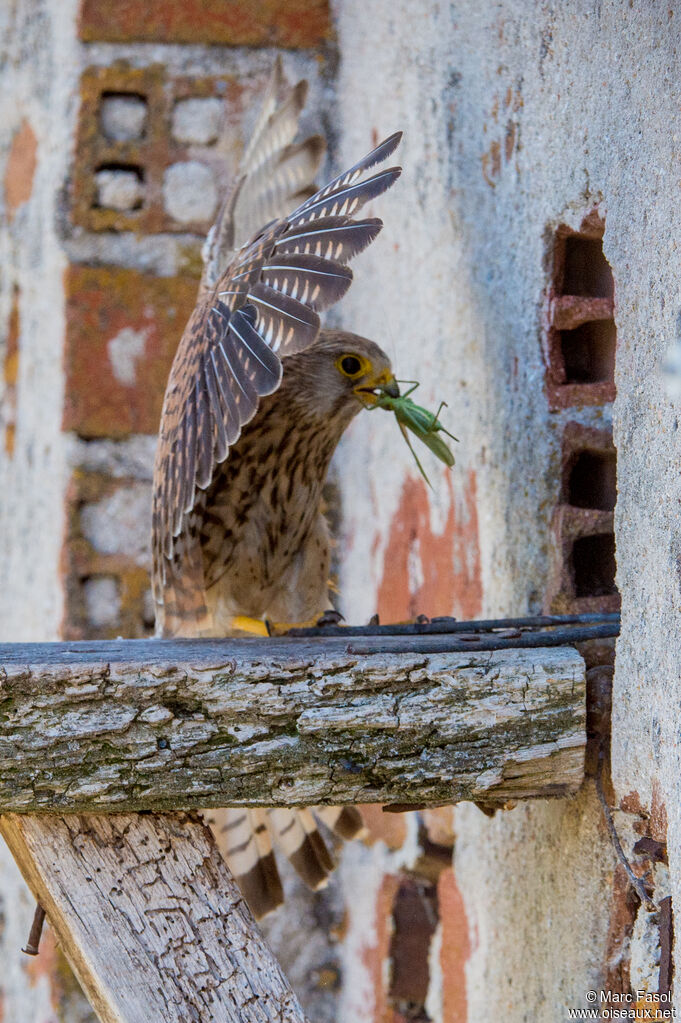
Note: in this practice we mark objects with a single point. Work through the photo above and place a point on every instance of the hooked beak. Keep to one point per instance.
(385, 382)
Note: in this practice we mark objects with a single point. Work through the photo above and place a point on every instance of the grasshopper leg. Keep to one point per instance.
(416, 457)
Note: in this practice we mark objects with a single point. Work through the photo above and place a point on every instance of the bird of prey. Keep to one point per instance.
(257, 400)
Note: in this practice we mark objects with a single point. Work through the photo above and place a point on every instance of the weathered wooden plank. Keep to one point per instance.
(174, 725)
(150, 918)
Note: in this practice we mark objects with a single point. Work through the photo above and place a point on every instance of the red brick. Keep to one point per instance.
(376, 954)
(566, 311)
(80, 562)
(150, 155)
(20, 169)
(439, 825)
(102, 302)
(623, 908)
(390, 828)
(455, 949)
(568, 525)
(450, 561)
(658, 814)
(289, 23)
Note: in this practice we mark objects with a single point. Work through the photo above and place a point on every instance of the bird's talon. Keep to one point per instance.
(330, 617)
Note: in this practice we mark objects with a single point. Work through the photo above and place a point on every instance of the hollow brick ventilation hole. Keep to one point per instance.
(126, 146)
(593, 565)
(123, 115)
(581, 350)
(119, 188)
(588, 352)
(582, 336)
(585, 269)
(590, 483)
(592, 480)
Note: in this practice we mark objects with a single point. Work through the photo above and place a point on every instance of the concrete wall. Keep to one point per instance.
(520, 117)
(37, 113)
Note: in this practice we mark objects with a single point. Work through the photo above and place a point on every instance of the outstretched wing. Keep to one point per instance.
(263, 308)
(276, 175)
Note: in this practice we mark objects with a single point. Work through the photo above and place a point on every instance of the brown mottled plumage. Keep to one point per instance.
(257, 400)
(264, 539)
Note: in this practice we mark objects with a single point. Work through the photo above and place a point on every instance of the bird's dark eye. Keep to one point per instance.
(350, 365)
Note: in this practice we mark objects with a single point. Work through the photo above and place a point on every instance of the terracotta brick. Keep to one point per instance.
(623, 908)
(439, 825)
(579, 582)
(123, 328)
(450, 561)
(581, 295)
(455, 949)
(600, 490)
(375, 954)
(120, 178)
(81, 562)
(288, 23)
(20, 169)
(390, 828)
(568, 526)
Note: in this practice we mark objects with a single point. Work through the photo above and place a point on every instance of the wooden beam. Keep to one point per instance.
(132, 725)
(150, 918)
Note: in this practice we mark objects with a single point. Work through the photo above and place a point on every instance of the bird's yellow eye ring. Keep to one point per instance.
(352, 366)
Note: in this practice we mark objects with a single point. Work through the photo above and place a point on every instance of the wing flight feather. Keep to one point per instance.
(262, 308)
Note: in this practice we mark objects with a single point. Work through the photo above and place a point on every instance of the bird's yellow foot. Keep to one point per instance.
(250, 626)
(330, 617)
(258, 627)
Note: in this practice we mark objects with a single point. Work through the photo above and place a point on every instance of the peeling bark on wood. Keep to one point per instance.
(150, 918)
(132, 725)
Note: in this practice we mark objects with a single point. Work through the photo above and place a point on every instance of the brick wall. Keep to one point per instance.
(123, 126)
(157, 141)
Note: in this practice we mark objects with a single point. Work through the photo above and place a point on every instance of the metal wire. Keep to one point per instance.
(442, 635)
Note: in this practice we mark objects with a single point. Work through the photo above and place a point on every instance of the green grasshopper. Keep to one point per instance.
(420, 421)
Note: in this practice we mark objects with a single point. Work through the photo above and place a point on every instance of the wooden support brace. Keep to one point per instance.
(145, 909)
(150, 918)
(131, 725)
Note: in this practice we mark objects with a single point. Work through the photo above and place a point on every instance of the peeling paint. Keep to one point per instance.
(20, 169)
(431, 573)
(8, 407)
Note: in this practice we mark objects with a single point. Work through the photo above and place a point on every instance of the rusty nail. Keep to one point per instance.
(33, 944)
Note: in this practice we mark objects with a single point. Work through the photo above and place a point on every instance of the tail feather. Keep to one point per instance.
(296, 834)
(243, 838)
(344, 821)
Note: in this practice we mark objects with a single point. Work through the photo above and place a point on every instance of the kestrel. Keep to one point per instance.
(257, 400)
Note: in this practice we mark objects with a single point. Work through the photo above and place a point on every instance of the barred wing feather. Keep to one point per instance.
(276, 174)
(263, 308)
